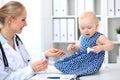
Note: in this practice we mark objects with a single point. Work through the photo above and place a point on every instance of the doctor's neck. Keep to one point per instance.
(9, 37)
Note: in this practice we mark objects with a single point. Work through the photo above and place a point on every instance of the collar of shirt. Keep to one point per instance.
(2, 39)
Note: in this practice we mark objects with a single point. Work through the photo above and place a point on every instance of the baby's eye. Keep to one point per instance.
(82, 28)
(89, 27)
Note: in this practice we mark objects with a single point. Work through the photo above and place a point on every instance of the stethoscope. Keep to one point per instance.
(3, 53)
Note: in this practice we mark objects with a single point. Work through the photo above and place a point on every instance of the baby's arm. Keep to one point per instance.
(103, 44)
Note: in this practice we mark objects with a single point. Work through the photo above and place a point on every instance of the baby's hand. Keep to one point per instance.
(97, 49)
(71, 47)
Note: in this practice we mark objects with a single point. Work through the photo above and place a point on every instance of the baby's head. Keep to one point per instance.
(88, 23)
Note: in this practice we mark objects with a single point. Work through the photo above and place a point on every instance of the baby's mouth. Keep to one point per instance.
(87, 34)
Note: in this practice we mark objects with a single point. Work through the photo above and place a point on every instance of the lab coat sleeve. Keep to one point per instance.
(37, 56)
(20, 74)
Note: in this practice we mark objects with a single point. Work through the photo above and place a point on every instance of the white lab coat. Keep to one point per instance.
(19, 66)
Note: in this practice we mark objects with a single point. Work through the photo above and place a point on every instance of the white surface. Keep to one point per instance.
(45, 77)
(51, 72)
(107, 72)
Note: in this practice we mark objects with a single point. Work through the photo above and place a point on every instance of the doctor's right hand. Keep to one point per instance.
(40, 65)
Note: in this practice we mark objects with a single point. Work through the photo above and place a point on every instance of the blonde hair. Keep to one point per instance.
(90, 15)
(12, 8)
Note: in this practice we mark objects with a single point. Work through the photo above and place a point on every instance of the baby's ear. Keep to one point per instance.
(97, 24)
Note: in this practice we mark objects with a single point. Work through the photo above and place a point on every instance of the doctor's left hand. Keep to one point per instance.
(54, 53)
(40, 65)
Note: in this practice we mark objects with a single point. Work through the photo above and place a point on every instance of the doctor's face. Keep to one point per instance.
(19, 22)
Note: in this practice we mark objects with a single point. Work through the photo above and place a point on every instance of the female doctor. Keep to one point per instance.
(15, 63)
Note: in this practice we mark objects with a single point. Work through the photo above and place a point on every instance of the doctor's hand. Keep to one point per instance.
(40, 65)
(54, 53)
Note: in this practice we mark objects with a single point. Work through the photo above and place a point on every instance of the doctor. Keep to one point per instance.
(15, 62)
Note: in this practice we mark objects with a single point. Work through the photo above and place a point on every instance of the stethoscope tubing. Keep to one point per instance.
(3, 53)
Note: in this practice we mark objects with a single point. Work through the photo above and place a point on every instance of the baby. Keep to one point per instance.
(85, 62)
